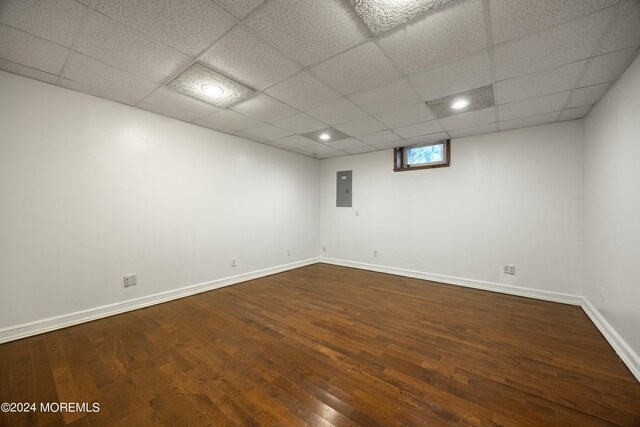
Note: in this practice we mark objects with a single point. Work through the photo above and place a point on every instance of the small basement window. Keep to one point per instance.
(424, 156)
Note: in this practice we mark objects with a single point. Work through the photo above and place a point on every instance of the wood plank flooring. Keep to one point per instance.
(326, 345)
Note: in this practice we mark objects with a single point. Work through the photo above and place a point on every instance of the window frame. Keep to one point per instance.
(400, 157)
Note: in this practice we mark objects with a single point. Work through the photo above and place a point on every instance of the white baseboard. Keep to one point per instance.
(45, 325)
(624, 350)
(458, 281)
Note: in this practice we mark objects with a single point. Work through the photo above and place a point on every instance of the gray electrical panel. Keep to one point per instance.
(343, 189)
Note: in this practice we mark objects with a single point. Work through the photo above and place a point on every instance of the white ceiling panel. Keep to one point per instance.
(512, 19)
(89, 75)
(419, 129)
(361, 126)
(122, 47)
(300, 123)
(472, 118)
(263, 107)
(303, 91)
(426, 139)
(173, 104)
(389, 97)
(213, 126)
(533, 107)
(54, 20)
(607, 67)
(587, 95)
(412, 114)
(296, 141)
(379, 137)
(358, 69)
(559, 45)
(625, 31)
(308, 31)
(243, 134)
(524, 122)
(239, 8)
(361, 150)
(452, 31)
(554, 80)
(349, 143)
(231, 119)
(31, 51)
(391, 144)
(339, 111)
(268, 132)
(454, 77)
(15, 68)
(189, 26)
(476, 130)
(247, 59)
(574, 113)
(320, 151)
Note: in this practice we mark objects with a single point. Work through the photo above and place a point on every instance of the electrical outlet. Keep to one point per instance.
(130, 280)
(288, 252)
(233, 262)
(375, 254)
(357, 213)
(509, 269)
(324, 249)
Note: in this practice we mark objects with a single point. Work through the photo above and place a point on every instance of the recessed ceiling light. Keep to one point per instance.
(324, 136)
(203, 83)
(329, 134)
(383, 15)
(459, 103)
(212, 90)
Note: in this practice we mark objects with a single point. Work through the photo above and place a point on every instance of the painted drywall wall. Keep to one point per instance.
(511, 197)
(612, 207)
(91, 190)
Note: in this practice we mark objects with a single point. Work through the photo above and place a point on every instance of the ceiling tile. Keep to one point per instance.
(231, 119)
(555, 80)
(263, 107)
(170, 103)
(319, 151)
(392, 144)
(89, 75)
(360, 68)
(384, 15)
(379, 137)
(243, 134)
(54, 20)
(300, 123)
(426, 139)
(472, 118)
(476, 130)
(452, 31)
(511, 19)
(239, 8)
(625, 31)
(213, 126)
(361, 150)
(608, 67)
(339, 111)
(189, 26)
(415, 113)
(296, 141)
(574, 113)
(303, 91)
(454, 77)
(543, 50)
(31, 51)
(325, 135)
(361, 126)
(268, 132)
(418, 129)
(475, 99)
(533, 107)
(587, 95)
(524, 122)
(243, 57)
(349, 143)
(389, 97)
(124, 48)
(308, 31)
(12, 67)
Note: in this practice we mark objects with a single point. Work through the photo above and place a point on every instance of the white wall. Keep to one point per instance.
(612, 207)
(91, 190)
(512, 197)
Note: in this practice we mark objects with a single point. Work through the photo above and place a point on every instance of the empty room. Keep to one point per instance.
(319, 212)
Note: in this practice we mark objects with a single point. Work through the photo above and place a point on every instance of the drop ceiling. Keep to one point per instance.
(310, 65)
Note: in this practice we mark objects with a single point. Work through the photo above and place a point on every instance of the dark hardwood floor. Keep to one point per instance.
(326, 345)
